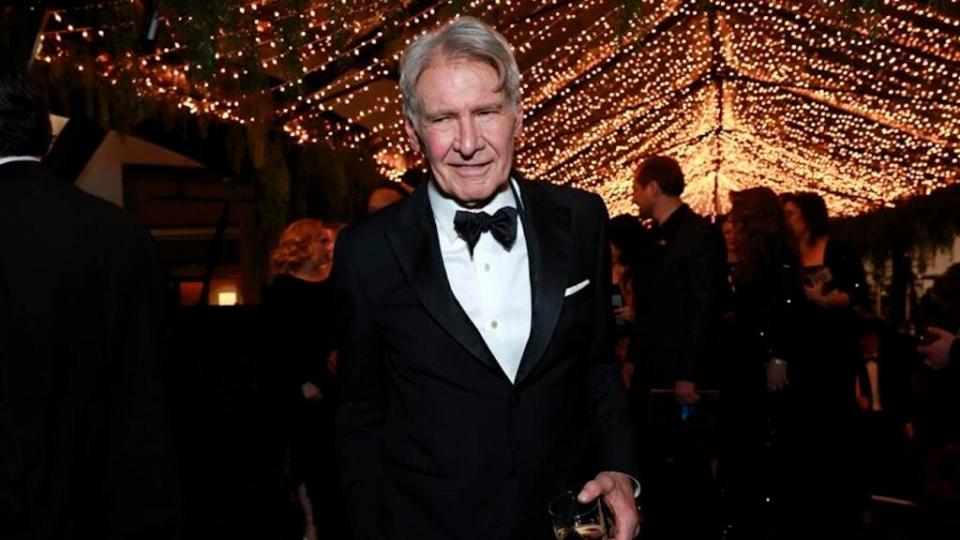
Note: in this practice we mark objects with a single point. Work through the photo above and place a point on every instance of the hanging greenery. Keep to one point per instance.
(926, 224)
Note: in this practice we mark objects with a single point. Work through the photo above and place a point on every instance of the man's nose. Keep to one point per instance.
(469, 139)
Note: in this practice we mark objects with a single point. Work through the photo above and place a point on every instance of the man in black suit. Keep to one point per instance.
(677, 288)
(477, 372)
(82, 450)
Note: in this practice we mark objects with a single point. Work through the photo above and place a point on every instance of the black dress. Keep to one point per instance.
(301, 315)
(761, 325)
(824, 405)
(831, 353)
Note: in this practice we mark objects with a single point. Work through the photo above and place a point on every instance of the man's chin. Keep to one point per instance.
(471, 191)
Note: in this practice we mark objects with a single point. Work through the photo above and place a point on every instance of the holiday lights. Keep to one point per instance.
(862, 105)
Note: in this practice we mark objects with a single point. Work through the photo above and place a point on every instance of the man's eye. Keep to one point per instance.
(440, 119)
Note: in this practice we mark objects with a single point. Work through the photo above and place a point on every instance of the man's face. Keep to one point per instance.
(466, 130)
(644, 196)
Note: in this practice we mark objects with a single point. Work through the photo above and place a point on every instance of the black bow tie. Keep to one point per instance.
(502, 225)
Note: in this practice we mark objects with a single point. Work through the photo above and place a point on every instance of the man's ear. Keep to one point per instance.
(412, 137)
(653, 188)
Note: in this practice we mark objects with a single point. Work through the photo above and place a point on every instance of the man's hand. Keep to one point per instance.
(686, 392)
(617, 492)
(938, 352)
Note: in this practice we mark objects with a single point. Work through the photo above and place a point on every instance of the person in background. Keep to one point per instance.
(825, 405)
(85, 450)
(302, 318)
(729, 231)
(385, 194)
(936, 403)
(883, 428)
(763, 351)
(938, 315)
(678, 290)
(729, 240)
(627, 240)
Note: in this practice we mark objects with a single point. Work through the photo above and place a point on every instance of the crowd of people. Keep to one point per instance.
(772, 400)
(478, 346)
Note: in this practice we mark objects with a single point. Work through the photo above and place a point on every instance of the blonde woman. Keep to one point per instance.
(301, 314)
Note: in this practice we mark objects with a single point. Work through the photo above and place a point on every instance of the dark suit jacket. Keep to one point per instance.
(678, 287)
(82, 451)
(434, 441)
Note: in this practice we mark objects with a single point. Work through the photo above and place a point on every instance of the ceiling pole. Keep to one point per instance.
(717, 74)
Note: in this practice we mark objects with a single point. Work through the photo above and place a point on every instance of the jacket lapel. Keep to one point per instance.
(416, 248)
(547, 228)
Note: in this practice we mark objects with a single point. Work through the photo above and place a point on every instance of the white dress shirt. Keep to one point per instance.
(493, 286)
(11, 159)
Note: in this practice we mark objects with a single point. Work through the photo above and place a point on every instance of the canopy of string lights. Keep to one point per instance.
(857, 100)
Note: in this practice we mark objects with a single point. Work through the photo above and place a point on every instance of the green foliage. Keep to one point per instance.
(927, 224)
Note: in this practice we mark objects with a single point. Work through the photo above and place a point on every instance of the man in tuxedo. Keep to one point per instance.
(82, 448)
(477, 372)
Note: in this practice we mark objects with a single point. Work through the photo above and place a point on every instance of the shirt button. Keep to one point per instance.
(486, 267)
(494, 325)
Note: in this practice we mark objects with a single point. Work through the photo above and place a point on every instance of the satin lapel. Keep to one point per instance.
(416, 248)
(549, 247)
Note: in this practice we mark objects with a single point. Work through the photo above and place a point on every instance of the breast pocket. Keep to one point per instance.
(579, 288)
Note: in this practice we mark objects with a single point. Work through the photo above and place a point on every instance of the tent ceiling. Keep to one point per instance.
(861, 105)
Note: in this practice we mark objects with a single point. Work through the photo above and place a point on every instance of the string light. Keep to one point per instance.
(861, 105)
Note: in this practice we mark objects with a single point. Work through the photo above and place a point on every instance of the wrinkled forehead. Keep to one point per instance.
(457, 79)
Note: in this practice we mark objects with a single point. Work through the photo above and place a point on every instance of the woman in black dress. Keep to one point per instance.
(762, 352)
(300, 312)
(824, 384)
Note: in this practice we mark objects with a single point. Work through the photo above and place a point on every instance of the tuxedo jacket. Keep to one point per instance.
(434, 441)
(83, 451)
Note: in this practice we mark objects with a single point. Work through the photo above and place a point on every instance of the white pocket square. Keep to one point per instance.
(576, 288)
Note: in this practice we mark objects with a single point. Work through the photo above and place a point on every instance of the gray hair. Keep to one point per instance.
(465, 37)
